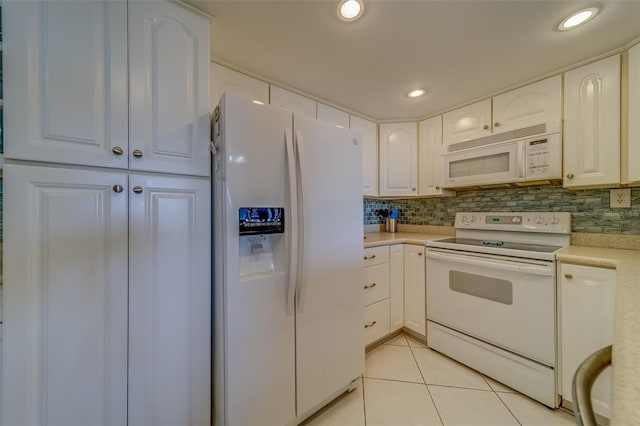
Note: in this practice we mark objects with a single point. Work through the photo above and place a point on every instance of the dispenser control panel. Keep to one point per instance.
(261, 220)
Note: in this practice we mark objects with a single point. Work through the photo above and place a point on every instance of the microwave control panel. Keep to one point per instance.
(543, 157)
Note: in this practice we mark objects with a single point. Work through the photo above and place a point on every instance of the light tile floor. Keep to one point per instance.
(405, 383)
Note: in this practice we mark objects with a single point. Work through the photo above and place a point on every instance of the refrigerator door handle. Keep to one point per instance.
(299, 143)
(293, 201)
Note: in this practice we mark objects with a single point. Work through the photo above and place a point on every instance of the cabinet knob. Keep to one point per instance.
(496, 124)
(373, 256)
(413, 189)
(437, 188)
(485, 127)
(117, 150)
(569, 175)
(419, 253)
(137, 153)
(137, 189)
(568, 276)
(371, 324)
(369, 286)
(118, 188)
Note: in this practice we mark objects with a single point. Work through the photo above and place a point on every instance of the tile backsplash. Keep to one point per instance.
(589, 208)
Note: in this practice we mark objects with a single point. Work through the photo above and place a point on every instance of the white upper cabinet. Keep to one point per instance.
(592, 124)
(333, 116)
(398, 159)
(470, 122)
(633, 117)
(429, 159)
(226, 80)
(537, 103)
(293, 102)
(531, 105)
(369, 131)
(169, 89)
(65, 81)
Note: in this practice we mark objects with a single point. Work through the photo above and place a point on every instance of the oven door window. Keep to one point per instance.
(489, 288)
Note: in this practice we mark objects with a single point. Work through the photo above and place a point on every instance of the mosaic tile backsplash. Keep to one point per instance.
(589, 208)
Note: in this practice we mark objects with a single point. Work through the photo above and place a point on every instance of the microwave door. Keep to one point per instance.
(502, 163)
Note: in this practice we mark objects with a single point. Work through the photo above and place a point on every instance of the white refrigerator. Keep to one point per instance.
(288, 247)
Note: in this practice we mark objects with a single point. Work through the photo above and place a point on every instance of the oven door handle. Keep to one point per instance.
(499, 264)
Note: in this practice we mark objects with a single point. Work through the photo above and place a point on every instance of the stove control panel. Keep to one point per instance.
(550, 222)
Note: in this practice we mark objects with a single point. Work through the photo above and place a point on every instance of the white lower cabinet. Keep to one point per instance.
(587, 303)
(394, 290)
(106, 290)
(415, 317)
(396, 286)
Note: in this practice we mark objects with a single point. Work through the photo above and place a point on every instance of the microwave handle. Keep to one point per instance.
(522, 158)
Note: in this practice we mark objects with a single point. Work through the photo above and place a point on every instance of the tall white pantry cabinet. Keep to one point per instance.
(106, 315)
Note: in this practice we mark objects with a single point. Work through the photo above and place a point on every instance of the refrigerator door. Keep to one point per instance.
(329, 311)
(255, 340)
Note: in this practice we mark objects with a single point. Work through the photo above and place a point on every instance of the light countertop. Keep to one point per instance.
(626, 344)
(375, 239)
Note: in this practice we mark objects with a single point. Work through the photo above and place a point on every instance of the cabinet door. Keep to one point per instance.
(531, 105)
(333, 116)
(226, 80)
(398, 159)
(587, 307)
(470, 122)
(592, 124)
(633, 114)
(429, 157)
(415, 317)
(293, 102)
(169, 89)
(65, 297)
(396, 287)
(169, 300)
(369, 133)
(65, 81)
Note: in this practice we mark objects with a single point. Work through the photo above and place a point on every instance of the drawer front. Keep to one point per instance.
(376, 321)
(376, 255)
(376, 283)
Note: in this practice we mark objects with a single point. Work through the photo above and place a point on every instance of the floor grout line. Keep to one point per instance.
(425, 384)
(509, 409)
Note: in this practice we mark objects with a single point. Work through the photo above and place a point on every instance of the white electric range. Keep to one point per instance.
(491, 297)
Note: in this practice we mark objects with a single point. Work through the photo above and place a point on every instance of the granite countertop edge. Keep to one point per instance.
(377, 239)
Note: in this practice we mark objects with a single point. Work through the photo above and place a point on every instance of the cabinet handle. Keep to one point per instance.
(419, 253)
(485, 127)
(373, 256)
(569, 175)
(137, 153)
(496, 124)
(370, 286)
(137, 189)
(117, 150)
(568, 276)
(118, 188)
(371, 324)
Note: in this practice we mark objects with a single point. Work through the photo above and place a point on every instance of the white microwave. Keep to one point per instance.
(522, 160)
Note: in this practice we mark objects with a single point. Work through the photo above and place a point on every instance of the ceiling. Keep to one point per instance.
(459, 50)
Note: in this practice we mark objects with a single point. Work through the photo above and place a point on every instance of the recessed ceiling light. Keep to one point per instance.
(350, 10)
(578, 18)
(416, 93)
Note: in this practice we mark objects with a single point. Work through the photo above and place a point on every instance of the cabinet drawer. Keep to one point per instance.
(376, 321)
(376, 283)
(376, 255)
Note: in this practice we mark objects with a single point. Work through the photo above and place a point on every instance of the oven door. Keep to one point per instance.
(486, 165)
(504, 302)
